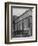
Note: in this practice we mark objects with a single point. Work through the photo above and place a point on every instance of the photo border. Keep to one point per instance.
(7, 22)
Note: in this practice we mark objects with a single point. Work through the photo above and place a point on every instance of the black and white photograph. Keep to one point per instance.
(21, 22)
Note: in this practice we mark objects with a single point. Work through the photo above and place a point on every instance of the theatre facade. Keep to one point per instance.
(22, 25)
